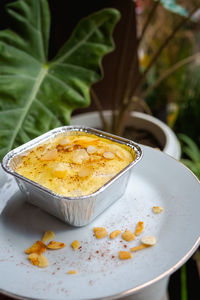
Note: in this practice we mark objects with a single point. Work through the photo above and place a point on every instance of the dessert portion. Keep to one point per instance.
(75, 164)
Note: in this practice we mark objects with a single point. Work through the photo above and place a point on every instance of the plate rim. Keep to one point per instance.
(140, 287)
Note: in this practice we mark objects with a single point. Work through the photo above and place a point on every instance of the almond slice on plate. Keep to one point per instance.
(55, 245)
(149, 240)
(71, 272)
(75, 245)
(100, 232)
(38, 247)
(115, 233)
(128, 236)
(48, 235)
(139, 228)
(139, 247)
(157, 209)
(38, 260)
(124, 255)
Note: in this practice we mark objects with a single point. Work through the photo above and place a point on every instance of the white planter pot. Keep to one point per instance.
(160, 130)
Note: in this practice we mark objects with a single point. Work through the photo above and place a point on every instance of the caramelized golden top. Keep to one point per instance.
(75, 164)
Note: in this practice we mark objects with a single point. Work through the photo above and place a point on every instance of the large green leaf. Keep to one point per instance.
(37, 95)
(174, 7)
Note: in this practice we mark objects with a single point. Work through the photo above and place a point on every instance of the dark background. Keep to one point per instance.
(64, 16)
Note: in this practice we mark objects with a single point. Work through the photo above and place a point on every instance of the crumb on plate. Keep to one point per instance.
(38, 247)
(115, 233)
(48, 235)
(148, 240)
(124, 255)
(157, 209)
(139, 247)
(75, 245)
(38, 260)
(100, 232)
(70, 272)
(55, 245)
(128, 236)
(139, 228)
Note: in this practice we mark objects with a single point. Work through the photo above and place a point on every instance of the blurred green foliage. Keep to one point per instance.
(188, 120)
(190, 154)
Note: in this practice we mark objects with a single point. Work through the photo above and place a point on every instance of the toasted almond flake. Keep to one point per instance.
(75, 245)
(115, 233)
(70, 272)
(69, 148)
(50, 155)
(91, 149)
(38, 260)
(140, 247)
(148, 240)
(60, 171)
(38, 247)
(55, 245)
(128, 236)
(100, 232)
(84, 172)
(119, 154)
(64, 141)
(48, 235)
(157, 209)
(124, 255)
(95, 157)
(124, 154)
(80, 155)
(139, 228)
(108, 155)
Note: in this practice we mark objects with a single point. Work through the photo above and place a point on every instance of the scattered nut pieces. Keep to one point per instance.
(157, 209)
(38, 248)
(35, 251)
(100, 232)
(124, 255)
(148, 240)
(38, 260)
(139, 228)
(114, 234)
(128, 236)
(75, 245)
(70, 272)
(140, 247)
(108, 155)
(48, 235)
(55, 245)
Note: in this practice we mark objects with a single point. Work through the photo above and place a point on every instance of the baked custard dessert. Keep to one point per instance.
(75, 164)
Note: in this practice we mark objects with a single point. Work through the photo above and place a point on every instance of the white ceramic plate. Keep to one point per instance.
(156, 180)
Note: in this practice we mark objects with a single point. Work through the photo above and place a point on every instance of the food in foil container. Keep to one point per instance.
(73, 172)
(75, 165)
